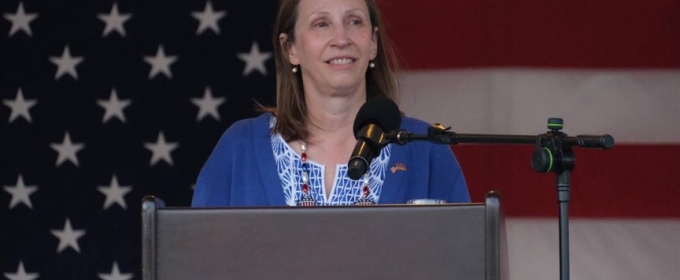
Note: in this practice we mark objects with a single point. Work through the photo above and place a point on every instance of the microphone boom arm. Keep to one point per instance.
(439, 134)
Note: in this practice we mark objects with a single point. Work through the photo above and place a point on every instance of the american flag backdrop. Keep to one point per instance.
(107, 101)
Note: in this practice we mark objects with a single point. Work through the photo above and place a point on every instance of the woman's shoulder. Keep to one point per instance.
(414, 125)
(245, 129)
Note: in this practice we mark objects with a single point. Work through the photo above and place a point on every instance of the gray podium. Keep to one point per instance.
(446, 241)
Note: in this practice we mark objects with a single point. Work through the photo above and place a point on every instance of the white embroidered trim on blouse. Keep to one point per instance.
(345, 190)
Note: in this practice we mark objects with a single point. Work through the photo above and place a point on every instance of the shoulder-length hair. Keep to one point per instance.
(291, 109)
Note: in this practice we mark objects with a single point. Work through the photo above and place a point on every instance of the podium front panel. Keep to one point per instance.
(374, 242)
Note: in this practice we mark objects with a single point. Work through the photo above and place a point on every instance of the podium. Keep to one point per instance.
(445, 241)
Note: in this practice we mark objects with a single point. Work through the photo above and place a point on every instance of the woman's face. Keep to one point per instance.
(333, 45)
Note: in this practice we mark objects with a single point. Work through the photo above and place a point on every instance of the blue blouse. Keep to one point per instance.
(250, 166)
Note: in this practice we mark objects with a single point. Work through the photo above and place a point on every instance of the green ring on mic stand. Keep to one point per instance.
(551, 160)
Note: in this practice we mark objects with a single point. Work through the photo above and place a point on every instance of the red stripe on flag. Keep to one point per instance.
(535, 33)
(629, 181)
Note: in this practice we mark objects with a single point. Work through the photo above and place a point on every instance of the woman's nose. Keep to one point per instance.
(341, 38)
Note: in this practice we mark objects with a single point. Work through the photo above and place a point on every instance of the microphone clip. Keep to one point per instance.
(436, 133)
(439, 134)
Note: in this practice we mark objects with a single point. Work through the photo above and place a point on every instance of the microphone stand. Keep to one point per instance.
(553, 153)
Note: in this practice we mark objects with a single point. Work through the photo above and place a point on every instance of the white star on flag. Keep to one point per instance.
(208, 19)
(114, 21)
(114, 193)
(66, 64)
(20, 193)
(115, 274)
(161, 150)
(67, 150)
(68, 237)
(208, 105)
(254, 60)
(113, 107)
(21, 274)
(160, 63)
(21, 21)
(20, 106)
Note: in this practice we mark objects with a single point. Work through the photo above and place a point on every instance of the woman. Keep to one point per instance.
(331, 56)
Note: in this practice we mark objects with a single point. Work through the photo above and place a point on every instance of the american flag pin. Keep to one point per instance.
(398, 167)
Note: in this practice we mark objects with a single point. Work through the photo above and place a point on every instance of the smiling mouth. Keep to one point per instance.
(341, 61)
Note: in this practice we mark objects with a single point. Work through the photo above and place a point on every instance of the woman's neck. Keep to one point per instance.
(331, 136)
(331, 118)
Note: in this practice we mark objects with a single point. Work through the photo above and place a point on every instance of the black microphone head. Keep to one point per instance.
(380, 111)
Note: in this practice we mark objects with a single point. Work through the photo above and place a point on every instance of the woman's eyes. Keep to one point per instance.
(326, 23)
(355, 22)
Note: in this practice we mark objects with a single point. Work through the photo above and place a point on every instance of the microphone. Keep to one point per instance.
(376, 117)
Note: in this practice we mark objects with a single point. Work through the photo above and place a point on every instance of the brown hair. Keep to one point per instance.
(291, 110)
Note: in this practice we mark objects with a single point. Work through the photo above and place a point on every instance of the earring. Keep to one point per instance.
(295, 69)
(371, 65)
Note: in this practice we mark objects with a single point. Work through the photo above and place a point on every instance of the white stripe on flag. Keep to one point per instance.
(600, 249)
(635, 106)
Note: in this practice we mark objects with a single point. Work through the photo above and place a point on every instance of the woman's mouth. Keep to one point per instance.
(341, 61)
